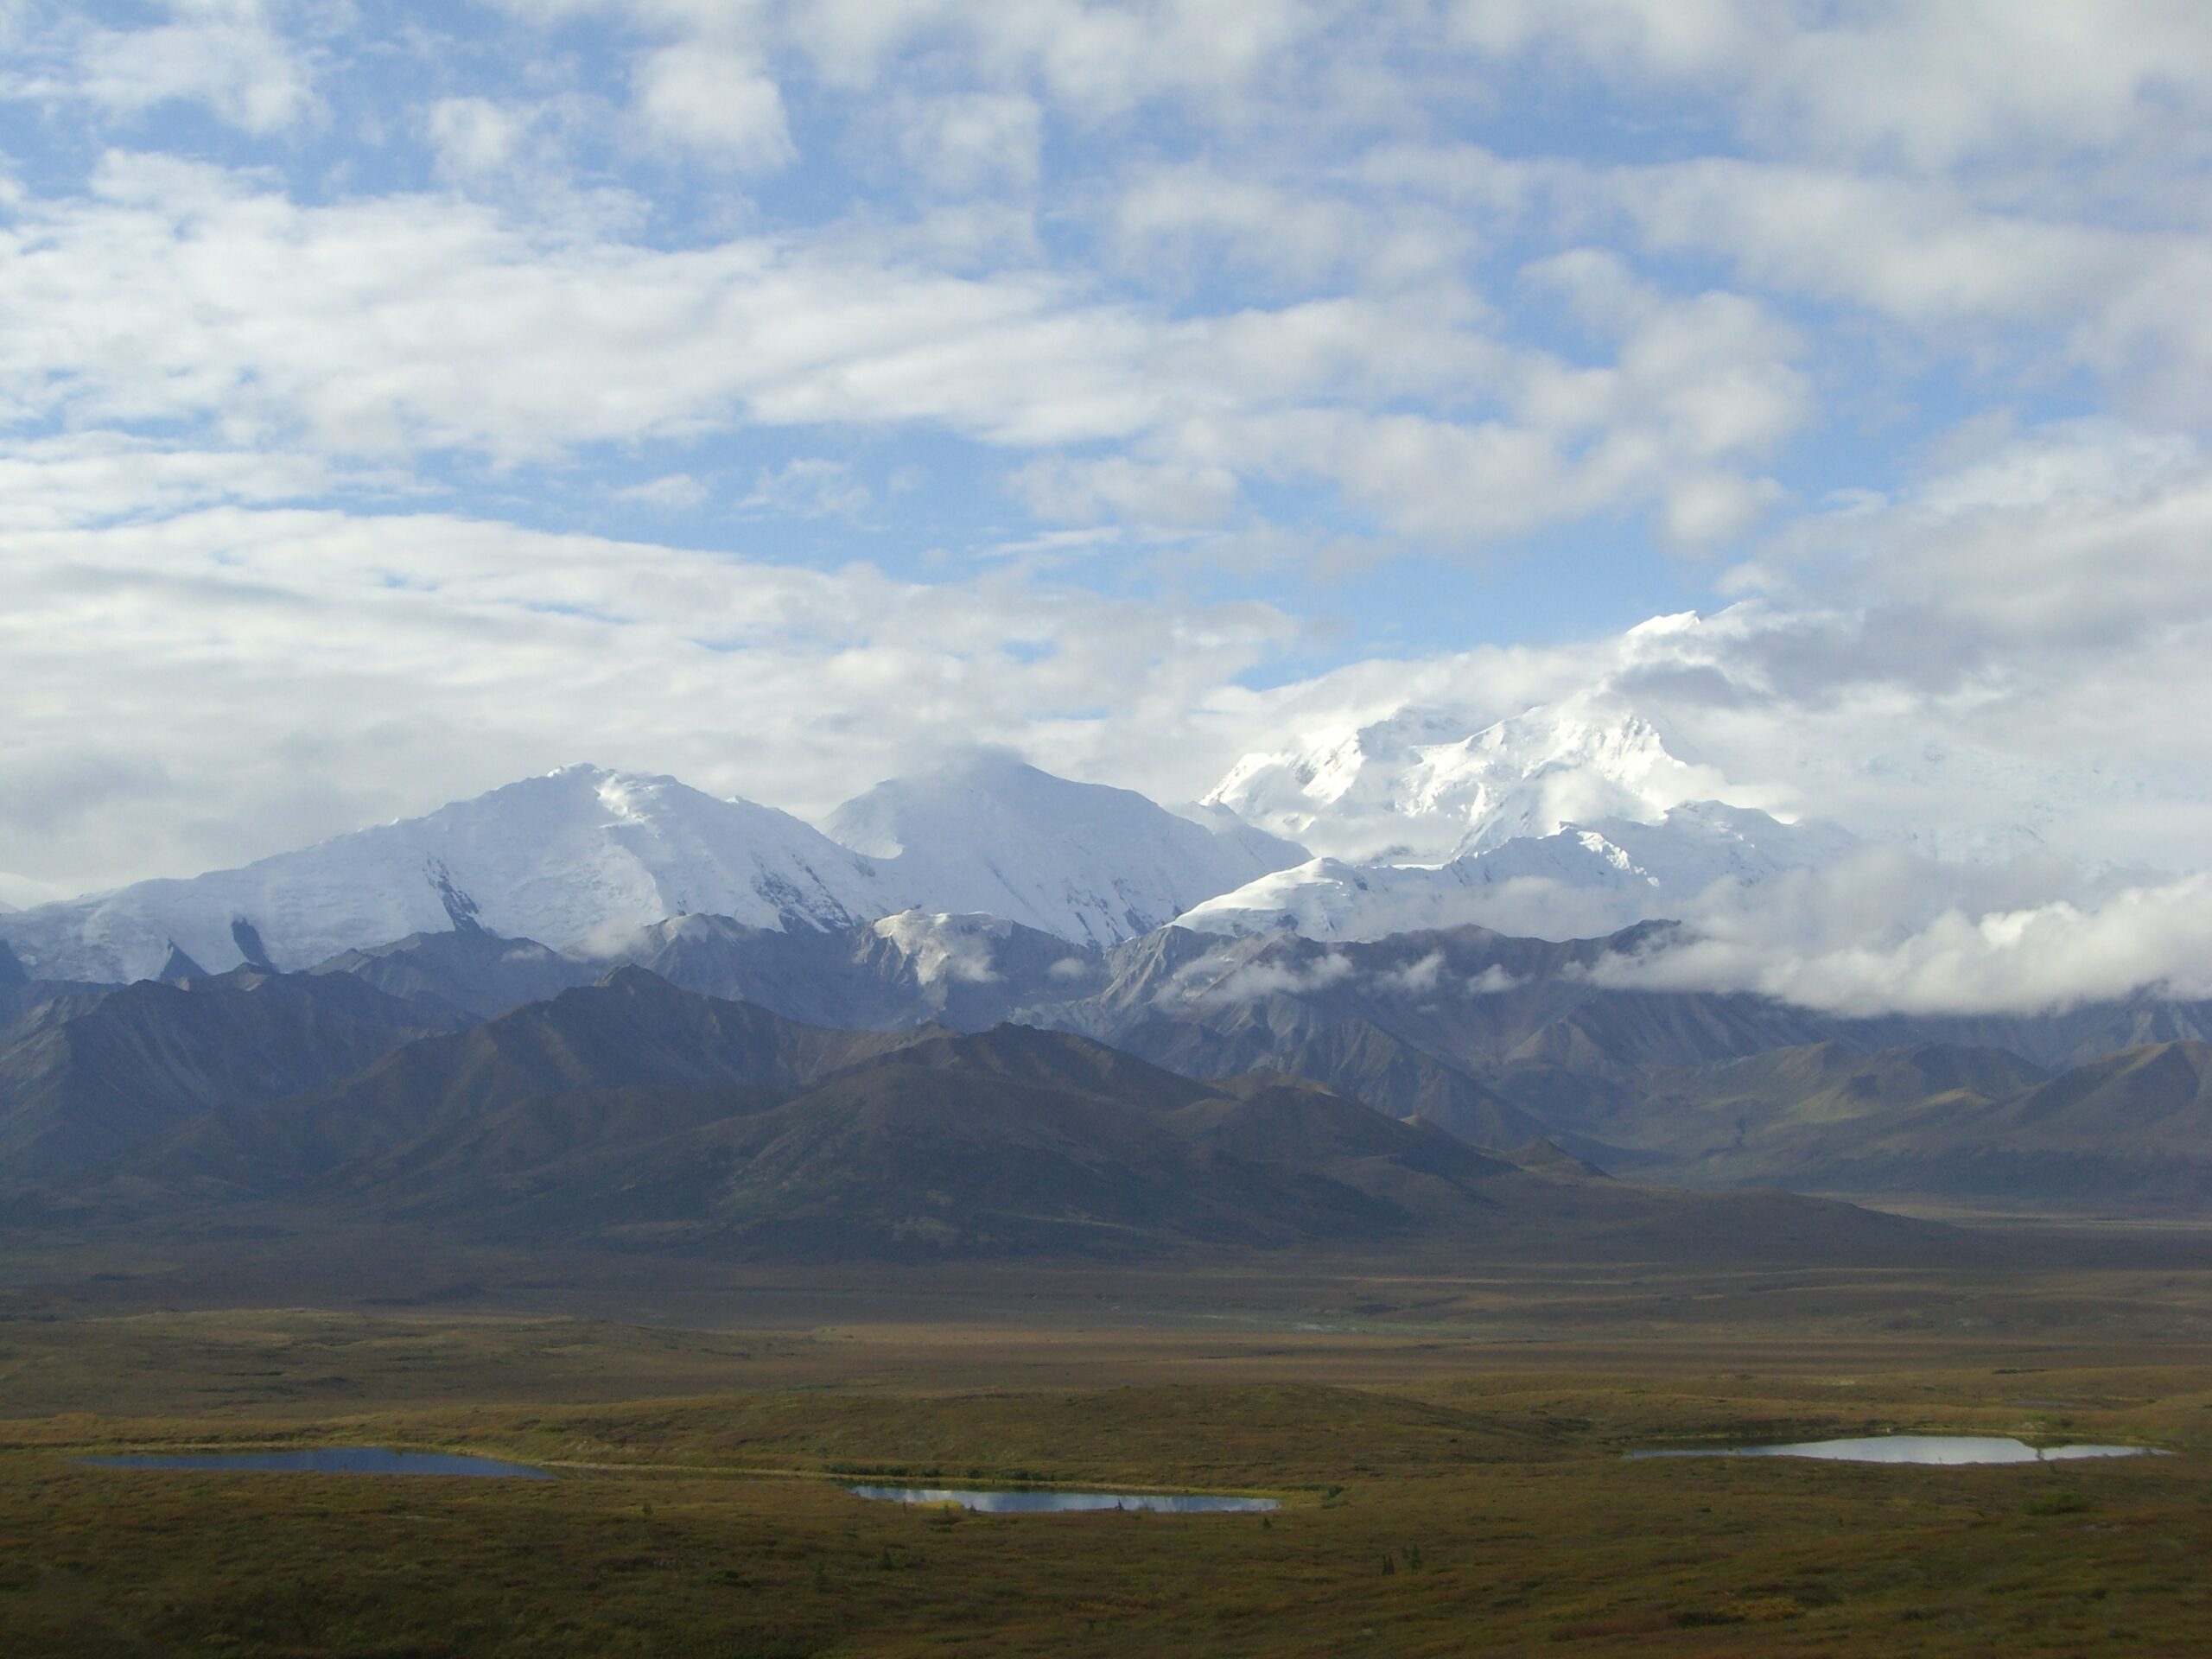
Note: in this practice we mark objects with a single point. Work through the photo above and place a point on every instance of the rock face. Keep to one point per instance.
(177, 967)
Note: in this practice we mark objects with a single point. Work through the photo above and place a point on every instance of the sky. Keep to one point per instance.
(395, 400)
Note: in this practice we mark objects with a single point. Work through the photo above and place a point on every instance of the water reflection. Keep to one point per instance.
(1915, 1448)
(1061, 1502)
(330, 1461)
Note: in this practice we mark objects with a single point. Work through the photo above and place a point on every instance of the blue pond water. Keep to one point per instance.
(1063, 1503)
(332, 1460)
(1916, 1448)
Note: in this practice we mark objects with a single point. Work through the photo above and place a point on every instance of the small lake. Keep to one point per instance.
(1068, 1503)
(1917, 1448)
(330, 1461)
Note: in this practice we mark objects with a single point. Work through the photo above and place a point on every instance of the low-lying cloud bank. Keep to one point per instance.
(1887, 934)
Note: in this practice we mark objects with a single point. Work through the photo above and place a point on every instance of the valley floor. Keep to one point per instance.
(1447, 1448)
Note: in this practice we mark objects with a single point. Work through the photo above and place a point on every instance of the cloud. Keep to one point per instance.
(92, 478)
(1896, 306)
(475, 138)
(179, 293)
(969, 141)
(1831, 940)
(228, 55)
(1204, 983)
(1928, 256)
(333, 671)
(810, 488)
(1928, 86)
(1098, 58)
(671, 492)
(1180, 215)
(718, 102)
(1087, 492)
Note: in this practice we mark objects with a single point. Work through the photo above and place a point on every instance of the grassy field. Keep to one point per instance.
(1448, 1452)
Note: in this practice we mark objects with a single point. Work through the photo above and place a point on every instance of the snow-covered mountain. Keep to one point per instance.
(585, 854)
(991, 835)
(1578, 881)
(1416, 787)
(549, 858)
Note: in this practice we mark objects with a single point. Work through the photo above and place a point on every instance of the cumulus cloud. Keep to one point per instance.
(719, 102)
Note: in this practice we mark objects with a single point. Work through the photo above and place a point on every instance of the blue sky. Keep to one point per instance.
(395, 399)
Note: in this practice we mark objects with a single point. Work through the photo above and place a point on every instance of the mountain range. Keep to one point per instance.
(220, 1085)
(630, 1116)
(1572, 819)
(585, 851)
(660, 963)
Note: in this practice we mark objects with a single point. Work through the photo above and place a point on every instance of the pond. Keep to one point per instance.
(329, 1460)
(1916, 1448)
(1065, 1502)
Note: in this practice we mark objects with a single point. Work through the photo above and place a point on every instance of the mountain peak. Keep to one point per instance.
(1419, 784)
(586, 853)
(553, 857)
(990, 834)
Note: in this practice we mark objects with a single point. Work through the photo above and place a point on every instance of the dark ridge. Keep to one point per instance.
(176, 966)
(247, 937)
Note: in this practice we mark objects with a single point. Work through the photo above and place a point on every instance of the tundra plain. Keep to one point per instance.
(1447, 1442)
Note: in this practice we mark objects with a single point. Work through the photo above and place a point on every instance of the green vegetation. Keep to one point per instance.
(1448, 1488)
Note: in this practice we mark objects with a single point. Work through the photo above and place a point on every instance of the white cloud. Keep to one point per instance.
(1828, 940)
(226, 54)
(1097, 57)
(970, 142)
(1931, 83)
(177, 293)
(83, 478)
(1210, 982)
(447, 656)
(1927, 255)
(475, 138)
(717, 101)
(673, 492)
(1084, 492)
(182, 293)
